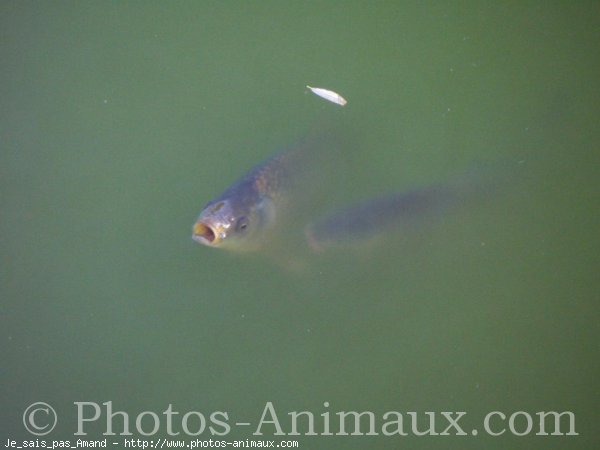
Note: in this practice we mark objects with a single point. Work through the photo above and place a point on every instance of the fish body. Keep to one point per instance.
(274, 202)
(371, 218)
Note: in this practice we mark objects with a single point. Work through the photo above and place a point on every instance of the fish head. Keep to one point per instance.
(232, 224)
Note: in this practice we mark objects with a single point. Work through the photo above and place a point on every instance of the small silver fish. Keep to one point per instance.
(331, 96)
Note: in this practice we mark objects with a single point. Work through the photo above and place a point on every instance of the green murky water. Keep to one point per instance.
(120, 120)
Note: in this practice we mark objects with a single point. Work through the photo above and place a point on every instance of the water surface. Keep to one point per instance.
(120, 121)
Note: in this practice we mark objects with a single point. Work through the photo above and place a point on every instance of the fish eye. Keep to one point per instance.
(242, 224)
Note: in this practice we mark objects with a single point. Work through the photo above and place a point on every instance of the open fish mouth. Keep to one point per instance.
(205, 234)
